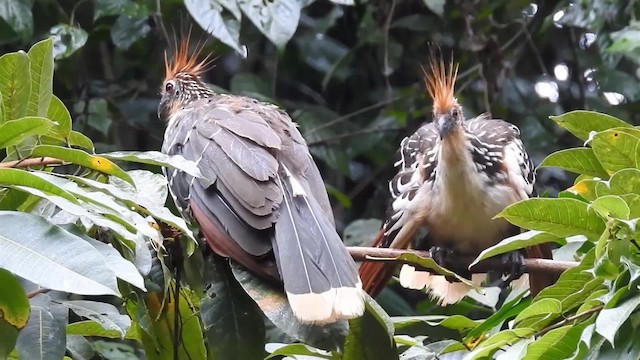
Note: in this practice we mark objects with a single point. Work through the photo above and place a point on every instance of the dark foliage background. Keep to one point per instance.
(350, 75)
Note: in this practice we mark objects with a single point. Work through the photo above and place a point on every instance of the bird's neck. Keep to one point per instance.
(457, 174)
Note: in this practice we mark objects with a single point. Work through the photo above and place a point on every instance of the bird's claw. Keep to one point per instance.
(515, 261)
(441, 255)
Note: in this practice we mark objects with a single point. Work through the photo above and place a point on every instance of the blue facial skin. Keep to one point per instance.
(445, 124)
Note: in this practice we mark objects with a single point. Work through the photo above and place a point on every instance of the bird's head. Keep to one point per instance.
(440, 82)
(182, 82)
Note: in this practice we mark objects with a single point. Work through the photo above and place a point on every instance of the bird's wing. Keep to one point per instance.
(263, 189)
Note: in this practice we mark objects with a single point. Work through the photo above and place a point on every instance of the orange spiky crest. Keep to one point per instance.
(440, 84)
(185, 61)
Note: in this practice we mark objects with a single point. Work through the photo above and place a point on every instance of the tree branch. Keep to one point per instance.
(41, 161)
(541, 266)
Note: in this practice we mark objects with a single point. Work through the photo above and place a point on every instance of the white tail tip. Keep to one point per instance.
(437, 286)
(328, 307)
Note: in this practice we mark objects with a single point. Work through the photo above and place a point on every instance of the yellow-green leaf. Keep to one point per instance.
(15, 131)
(14, 304)
(580, 122)
(59, 113)
(17, 178)
(82, 158)
(15, 84)
(577, 160)
(41, 66)
(616, 149)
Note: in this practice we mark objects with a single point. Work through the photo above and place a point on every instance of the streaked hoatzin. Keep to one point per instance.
(262, 201)
(454, 175)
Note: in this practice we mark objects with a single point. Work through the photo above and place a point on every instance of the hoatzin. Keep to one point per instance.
(262, 201)
(454, 175)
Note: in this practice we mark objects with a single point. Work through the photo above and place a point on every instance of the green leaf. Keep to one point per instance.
(507, 311)
(157, 158)
(610, 320)
(82, 158)
(520, 241)
(114, 7)
(14, 304)
(611, 206)
(15, 84)
(616, 149)
(436, 6)
(498, 341)
(17, 14)
(129, 29)
(59, 113)
(210, 16)
(232, 322)
(277, 20)
(558, 343)
(58, 260)
(291, 350)
(107, 315)
(78, 139)
(454, 322)
(95, 113)
(41, 66)
(67, 40)
(577, 160)
(20, 178)
(429, 263)
(8, 338)
(92, 328)
(14, 132)
(625, 181)
(581, 123)
(585, 188)
(560, 217)
(43, 338)
(371, 335)
(548, 307)
(275, 306)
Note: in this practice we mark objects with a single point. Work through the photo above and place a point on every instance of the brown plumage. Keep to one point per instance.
(261, 200)
(454, 175)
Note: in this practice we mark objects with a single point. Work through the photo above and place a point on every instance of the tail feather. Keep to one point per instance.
(319, 275)
(437, 286)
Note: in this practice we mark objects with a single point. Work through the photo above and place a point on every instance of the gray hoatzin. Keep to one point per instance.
(454, 175)
(262, 201)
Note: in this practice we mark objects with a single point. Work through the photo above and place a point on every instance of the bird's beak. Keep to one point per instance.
(445, 124)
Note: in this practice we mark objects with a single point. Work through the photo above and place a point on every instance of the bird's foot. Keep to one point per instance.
(445, 257)
(514, 261)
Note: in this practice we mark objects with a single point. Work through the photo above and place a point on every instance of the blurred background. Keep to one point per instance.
(348, 71)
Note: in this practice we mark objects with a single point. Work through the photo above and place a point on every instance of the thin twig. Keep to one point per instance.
(41, 161)
(350, 134)
(387, 26)
(562, 323)
(356, 113)
(531, 265)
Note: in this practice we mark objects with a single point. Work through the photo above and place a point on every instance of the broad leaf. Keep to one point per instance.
(507, 311)
(454, 322)
(232, 323)
(41, 65)
(58, 112)
(616, 149)
(157, 158)
(210, 16)
(15, 84)
(560, 217)
(275, 306)
(107, 315)
(371, 335)
(611, 206)
(52, 257)
(78, 139)
(577, 160)
(14, 304)
(8, 338)
(297, 350)
(17, 14)
(277, 19)
(581, 123)
(610, 320)
(520, 241)
(498, 341)
(543, 308)
(14, 132)
(92, 328)
(67, 39)
(556, 344)
(82, 158)
(21, 179)
(43, 338)
(129, 29)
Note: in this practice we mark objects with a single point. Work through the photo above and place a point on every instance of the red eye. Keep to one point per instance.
(169, 87)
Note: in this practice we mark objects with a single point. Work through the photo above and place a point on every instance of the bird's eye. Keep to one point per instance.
(169, 87)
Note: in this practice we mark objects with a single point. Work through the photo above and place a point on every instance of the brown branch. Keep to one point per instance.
(41, 161)
(562, 323)
(531, 265)
(34, 293)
